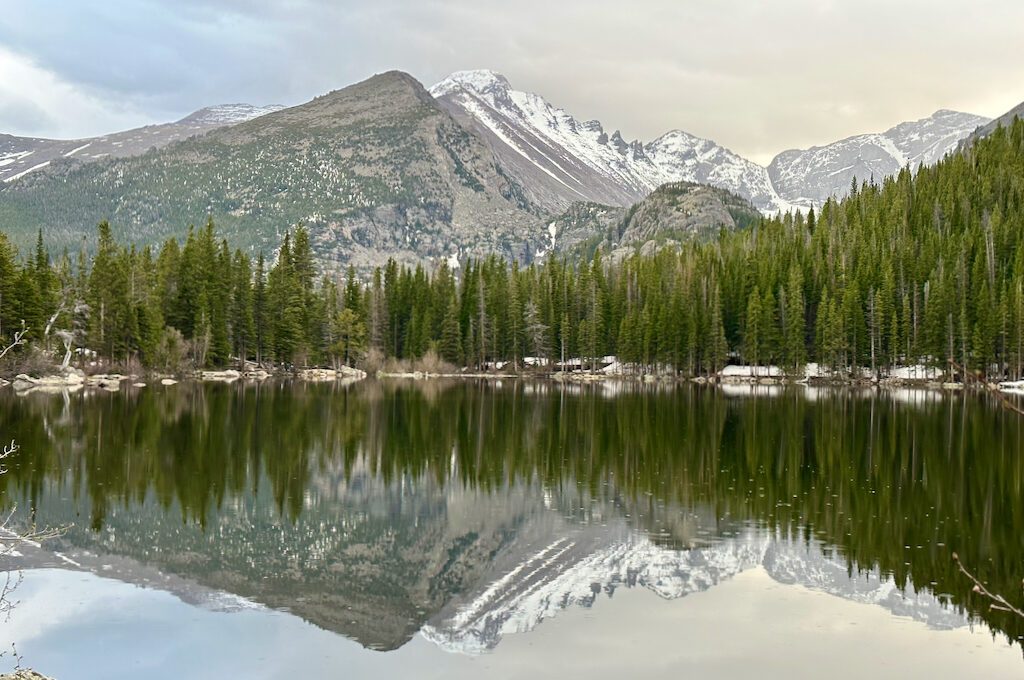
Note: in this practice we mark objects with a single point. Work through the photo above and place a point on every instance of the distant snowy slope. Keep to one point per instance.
(227, 114)
(811, 176)
(20, 156)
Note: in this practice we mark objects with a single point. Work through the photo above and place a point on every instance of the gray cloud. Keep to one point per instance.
(757, 77)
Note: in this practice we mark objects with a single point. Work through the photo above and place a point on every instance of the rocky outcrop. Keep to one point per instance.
(672, 214)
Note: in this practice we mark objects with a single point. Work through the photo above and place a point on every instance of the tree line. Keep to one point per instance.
(923, 268)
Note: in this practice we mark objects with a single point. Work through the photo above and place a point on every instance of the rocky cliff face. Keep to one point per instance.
(672, 214)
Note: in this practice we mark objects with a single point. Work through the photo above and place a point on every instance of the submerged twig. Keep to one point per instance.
(999, 603)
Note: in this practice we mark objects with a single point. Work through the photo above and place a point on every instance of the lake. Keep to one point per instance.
(514, 528)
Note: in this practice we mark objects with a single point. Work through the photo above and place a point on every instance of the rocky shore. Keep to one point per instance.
(74, 379)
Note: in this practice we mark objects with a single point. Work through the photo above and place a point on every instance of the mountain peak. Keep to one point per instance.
(482, 81)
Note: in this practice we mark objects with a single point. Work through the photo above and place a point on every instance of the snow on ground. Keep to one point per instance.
(918, 372)
(751, 372)
(77, 149)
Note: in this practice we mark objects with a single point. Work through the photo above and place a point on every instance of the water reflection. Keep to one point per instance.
(470, 510)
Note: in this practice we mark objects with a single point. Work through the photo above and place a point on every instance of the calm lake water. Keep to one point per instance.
(481, 529)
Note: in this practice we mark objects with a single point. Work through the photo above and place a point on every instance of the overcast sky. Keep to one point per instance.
(757, 77)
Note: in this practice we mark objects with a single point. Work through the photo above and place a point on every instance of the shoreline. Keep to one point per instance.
(75, 379)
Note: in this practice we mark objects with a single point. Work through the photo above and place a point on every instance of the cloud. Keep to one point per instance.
(757, 77)
(38, 102)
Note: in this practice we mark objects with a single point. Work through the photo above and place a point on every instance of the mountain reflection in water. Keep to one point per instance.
(469, 510)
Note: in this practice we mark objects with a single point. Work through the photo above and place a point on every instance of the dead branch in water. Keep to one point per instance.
(998, 602)
(978, 379)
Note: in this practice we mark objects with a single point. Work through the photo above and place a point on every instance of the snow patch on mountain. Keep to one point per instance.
(227, 114)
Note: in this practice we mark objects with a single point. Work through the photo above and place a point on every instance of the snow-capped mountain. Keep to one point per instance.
(559, 159)
(20, 156)
(811, 176)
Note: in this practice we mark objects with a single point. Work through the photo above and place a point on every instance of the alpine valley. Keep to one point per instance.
(386, 169)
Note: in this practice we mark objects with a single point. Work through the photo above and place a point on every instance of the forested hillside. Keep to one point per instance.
(919, 269)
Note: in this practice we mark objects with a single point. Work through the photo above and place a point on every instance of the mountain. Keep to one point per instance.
(671, 214)
(377, 169)
(560, 160)
(22, 155)
(810, 176)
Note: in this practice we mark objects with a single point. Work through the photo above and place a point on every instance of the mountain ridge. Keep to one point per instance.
(567, 158)
(20, 156)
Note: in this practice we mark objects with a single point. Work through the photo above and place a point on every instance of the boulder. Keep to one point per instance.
(324, 374)
(24, 382)
(229, 375)
(110, 381)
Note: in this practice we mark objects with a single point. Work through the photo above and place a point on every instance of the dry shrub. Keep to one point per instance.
(171, 352)
(393, 365)
(431, 362)
(372, 362)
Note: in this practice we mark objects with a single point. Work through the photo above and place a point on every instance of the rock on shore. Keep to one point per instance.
(326, 374)
(24, 675)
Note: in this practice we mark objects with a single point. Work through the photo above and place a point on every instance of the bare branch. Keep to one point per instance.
(19, 339)
(998, 602)
(8, 451)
